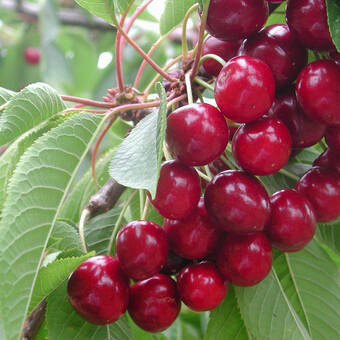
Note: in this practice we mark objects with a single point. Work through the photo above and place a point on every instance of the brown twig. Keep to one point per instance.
(87, 102)
(34, 321)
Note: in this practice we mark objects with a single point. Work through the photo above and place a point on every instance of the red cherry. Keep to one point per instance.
(197, 133)
(224, 49)
(174, 264)
(142, 249)
(279, 49)
(322, 189)
(98, 290)
(244, 89)
(329, 159)
(307, 19)
(262, 147)
(234, 20)
(193, 237)
(335, 56)
(292, 224)
(154, 303)
(304, 130)
(332, 137)
(178, 190)
(237, 202)
(317, 91)
(32, 55)
(245, 260)
(201, 286)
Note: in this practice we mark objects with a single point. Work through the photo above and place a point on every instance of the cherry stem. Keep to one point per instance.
(119, 220)
(204, 84)
(212, 56)
(208, 172)
(228, 163)
(166, 153)
(203, 175)
(184, 31)
(84, 110)
(87, 102)
(323, 145)
(146, 207)
(288, 174)
(204, 16)
(84, 217)
(189, 89)
(141, 205)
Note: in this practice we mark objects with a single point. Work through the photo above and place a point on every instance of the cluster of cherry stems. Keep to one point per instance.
(226, 236)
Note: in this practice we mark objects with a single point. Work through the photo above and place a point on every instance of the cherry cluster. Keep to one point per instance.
(271, 105)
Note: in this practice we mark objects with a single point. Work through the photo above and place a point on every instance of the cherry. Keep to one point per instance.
(178, 190)
(279, 49)
(224, 49)
(196, 133)
(307, 19)
(174, 264)
(322, 188)
(329, 159)
(262, 147)
(244, 89)
(32, 55)
(237, 202)
(154, 303)
(142, 249)
(193, 237)
(98, 290)
(335, 56)
(305, 131)
(201, 286)
(332, 137)
(245, 260)
(234, 19)
(317, 91)
(292, 224)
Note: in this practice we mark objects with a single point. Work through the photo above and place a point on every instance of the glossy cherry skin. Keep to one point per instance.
(304, 130)
(332, 137)
(244, 89)
(32, 55)
(174, 264)
(237, 202)
(193, 237)
(317, 91)
(141, 248)
(329, 159)
(307, 19)
(154, 303)
(178, 190)
(245, 260)
(224, 49)
(280, 50)
(197, 133)
(234, 19)
(99, 290)
(292, 224)
(322, 188)
(262, 147)
(201, 286)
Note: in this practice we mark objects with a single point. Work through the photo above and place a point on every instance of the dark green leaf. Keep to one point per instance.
(333, 14)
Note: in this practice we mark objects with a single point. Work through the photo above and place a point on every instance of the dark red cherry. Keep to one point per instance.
(322, 188)
(307, 19)
(232, 131)
(237, 202)
(98, 290)
(197, 133)
(142, 248)
(32, 55)
(335, 56)
(279, 49)
(245, 260)
(193, 237)
(234, 19)
(174, 264)
(218, 166)
(154, 303)
(224, 49)
(178, 190)
(244, 89)
(317, 91)
(332, 137)
(329, 159)
(201, 286)
(304, 130)
(292, 224)
(262, 147)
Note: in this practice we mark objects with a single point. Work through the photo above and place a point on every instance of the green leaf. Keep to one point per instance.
(136, 163)
(53, 275)
(36, 193)
(333, 17)
(173, 14)
(97, 8)
(33, 105)
(5, 95)
(328, 234)
(64, 323)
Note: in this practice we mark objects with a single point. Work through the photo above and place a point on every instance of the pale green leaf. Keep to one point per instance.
(36, 193)
(96, 7)
(136, 163)
(329, 234)
(333, 16)
(5, 95)
(53, 275)
(33, 105)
